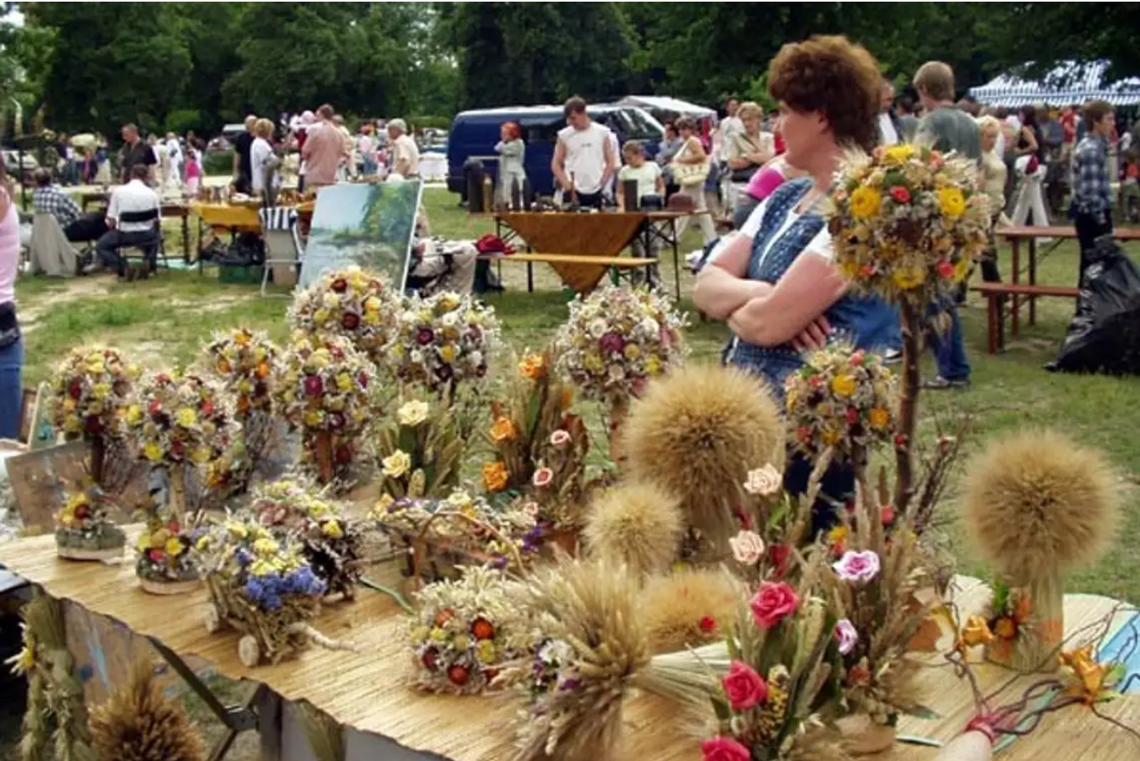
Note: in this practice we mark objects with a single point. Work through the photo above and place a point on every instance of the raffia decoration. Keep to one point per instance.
(138, 723)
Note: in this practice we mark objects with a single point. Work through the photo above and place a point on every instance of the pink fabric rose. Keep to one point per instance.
(857, 566)
(846, 635)
(747, 547)
(559, 438)
(743, 686)
(773, 603)
(543, 477)
(724, 749)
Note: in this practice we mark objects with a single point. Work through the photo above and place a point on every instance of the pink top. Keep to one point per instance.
(765, 182)
(193, 170)
(9, 251)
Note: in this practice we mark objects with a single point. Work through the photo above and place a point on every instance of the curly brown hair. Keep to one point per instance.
(831, 75)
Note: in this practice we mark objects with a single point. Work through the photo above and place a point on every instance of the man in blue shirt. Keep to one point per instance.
(1091, 207)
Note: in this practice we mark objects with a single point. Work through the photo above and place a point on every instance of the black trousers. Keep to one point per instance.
(108, 247)
(1089, 228)
(88, 227)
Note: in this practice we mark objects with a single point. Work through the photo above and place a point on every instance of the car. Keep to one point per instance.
(12, 159)
(474, 134)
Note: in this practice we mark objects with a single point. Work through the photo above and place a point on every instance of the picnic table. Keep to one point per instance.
(367, 692)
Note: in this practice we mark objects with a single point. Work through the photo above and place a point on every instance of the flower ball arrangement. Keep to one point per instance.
(843, 400)
(322, 390)
(331, 544)
(463, 632)
(165, 565)
(616, 340)
(907, 222)
(443, 341)
(243, 359)
(352, 303)
(181, 419)
(84, 529)
(263, 587)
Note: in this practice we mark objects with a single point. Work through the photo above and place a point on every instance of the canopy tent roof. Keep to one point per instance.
(1069, 83)
(661, 103)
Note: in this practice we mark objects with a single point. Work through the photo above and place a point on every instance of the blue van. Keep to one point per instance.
(475, 134)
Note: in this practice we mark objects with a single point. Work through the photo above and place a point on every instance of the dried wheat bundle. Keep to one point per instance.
(689, 608)
(138, 723)
(635, 524)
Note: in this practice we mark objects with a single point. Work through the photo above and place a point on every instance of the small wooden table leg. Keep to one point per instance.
(992, 320)
(1015, 277)
(530, 277)
(1033, 280)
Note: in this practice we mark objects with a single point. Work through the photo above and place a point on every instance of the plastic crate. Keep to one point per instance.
(240, 275)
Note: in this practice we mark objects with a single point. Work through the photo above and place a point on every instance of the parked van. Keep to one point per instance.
(474, 134)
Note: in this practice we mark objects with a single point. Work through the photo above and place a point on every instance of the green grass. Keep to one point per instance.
(169, 316)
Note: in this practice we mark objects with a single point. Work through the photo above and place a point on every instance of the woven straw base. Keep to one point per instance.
(169, 587)
(76, 553)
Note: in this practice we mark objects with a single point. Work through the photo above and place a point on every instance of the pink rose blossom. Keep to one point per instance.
(773, 603)
(846, 635)
(743, 686)
(559, 438)
(747, 547)
(724, 749)
(543, 477)
(857, 566)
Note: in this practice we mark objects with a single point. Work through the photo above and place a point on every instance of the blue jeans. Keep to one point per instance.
(369, 167)
(11, 389)
(949, 348)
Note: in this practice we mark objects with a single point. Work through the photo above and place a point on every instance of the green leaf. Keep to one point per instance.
(722, 710)
(922, 712)
(1115, 674)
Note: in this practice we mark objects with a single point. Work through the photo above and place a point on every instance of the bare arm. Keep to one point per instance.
(1030, 140)
(696, 153)
(558, 165)
(810, 286)
(721, 287)
(661, 185)
(608, 152)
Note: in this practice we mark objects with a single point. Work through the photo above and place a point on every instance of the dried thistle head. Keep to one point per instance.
(697, 433)
(138, 723)
(1036, 503)
(689, 608)
(592, 607)
(635, 524)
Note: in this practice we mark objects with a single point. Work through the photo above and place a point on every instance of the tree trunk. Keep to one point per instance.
(178, 491)
(324, 454)
(98, 460)
(908, 408)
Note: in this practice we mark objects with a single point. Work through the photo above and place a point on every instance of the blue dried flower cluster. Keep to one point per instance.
(266, 591)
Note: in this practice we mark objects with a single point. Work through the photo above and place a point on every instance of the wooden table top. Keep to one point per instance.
(367, 689)
(1026, 231)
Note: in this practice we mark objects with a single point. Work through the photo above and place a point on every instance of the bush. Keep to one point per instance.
(181, 121)
(218, 162)
(428, 122)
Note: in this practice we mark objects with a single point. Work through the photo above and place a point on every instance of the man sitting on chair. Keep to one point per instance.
(133, 218)
(77, 226)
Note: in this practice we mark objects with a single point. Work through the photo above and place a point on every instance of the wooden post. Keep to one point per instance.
(324, 453)
(908, 408)
(98, 460)
(177, 503)
(1039, 636)
(619, 410)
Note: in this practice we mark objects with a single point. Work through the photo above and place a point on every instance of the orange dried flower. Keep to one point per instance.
(503, 429)
(495, 476)
(533, 366)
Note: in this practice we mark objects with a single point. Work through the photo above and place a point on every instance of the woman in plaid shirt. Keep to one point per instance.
(1091, 207)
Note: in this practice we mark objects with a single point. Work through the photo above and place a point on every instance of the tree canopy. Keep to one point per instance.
(190, 65)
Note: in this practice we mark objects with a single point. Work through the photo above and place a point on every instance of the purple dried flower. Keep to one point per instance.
(612, 343)
(424, 336)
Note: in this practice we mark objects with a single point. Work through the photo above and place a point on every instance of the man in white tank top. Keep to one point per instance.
(584, 158)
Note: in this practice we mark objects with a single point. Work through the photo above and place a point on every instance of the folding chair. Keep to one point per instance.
(282, 246)
(150, 250)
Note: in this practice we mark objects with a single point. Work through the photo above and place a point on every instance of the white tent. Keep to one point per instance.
(660, 104)
(1069, 83)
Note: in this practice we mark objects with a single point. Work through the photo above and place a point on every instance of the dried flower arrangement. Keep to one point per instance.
(540, 446)
(358, 305)
(90, 391)
(420, 451)
(1037, 506)
(615, 341)
(322, 389)
(841, 398)
(165, 565)
(264, 588)
(84, 529)
(443, 342)
(441, 535)
(637, 525)
(463, 632)
(242, 360)
(330, 541)
(138, 723)
(180, 419)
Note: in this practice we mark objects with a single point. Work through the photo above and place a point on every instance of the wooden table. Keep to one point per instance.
(366, 691)
(1018, 233)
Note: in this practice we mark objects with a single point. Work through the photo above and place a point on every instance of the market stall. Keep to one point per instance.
(1069, 84)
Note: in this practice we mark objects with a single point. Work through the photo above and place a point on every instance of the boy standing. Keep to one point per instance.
(649, 183)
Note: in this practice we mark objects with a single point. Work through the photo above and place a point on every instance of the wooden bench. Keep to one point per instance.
(613, 262)
(996, 295)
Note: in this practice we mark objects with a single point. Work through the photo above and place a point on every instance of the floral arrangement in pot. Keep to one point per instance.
(84, 529)
(615, 342)
(91, 388)
(352, 303)
(262, 586)
(463, 633)
(443, 342)
(323, 390)
(242, 360)
(420, 450)
(165, 564)
(331, 542)
(843, 399)
(540, 445)
(181, 420)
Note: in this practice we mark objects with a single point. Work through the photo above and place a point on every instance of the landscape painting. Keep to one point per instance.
(369, 225)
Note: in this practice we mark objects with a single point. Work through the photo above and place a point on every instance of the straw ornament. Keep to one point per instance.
(637, 524)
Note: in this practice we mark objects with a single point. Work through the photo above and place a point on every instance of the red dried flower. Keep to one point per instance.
(708, 624)
(900, 194)
(458, 675)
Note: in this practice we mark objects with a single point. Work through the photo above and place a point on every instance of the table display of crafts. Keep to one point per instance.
(179, 422)
(261, 585)
(84, 527)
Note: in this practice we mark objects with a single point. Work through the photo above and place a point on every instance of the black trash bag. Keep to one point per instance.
(247, 250)
(1104, 335)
